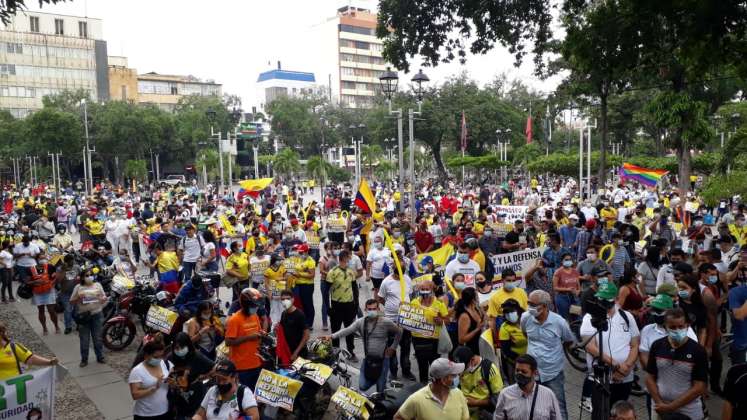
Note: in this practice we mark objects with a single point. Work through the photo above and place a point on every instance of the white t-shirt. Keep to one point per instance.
(228, 410)
(378, 259)
(652, 332)
(590, 212)
(30, 252)
(154, 404)
(207, 249)
(468, 270)
(666, 275)
(257, 267)
(616, 340)
(391, 292)
(356, 264)
(191, 247)
(6, 258)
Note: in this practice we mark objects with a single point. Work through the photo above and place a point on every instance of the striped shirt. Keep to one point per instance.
(514, 404)
(618, 262)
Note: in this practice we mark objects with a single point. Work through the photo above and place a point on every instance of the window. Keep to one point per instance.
(356, 30)
(7, 69)
(33, 24)
(348, 85)
(347, 71)
(83, 29)
(124, 92)
(362, 45)
(14, 48)
(59, 27)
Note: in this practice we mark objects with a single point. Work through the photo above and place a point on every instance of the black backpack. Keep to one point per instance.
(240, 398)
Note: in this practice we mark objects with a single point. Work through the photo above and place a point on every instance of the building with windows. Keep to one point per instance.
(349, 56)
(43, 54)
(277, 83)
(166, 90)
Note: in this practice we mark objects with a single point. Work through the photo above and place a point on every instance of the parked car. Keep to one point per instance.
(173, 180)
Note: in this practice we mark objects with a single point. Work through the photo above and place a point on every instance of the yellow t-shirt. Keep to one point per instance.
(516, 335)
(739, 232)
(94, 227)
(437, 308)
(239, 263)
(167, 261)
(612, 214)
(306, 265)
(277, 280)
(341, 284)
(501, 295)
(479, 258)
(422, 405)
(8, 365)
(473, 385)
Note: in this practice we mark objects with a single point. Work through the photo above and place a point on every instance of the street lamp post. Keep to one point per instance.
(735, 119)
(389, 80)
(210, 113)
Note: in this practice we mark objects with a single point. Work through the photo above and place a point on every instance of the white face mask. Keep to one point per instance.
(591, 257)
(287, 303)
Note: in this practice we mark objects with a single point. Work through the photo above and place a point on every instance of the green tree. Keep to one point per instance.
(286, 163)
(317, 168)
(51, 130)
(9, 8)
(136, 169)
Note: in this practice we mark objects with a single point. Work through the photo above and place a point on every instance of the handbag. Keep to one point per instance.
(444, 342)
(82, 318)
(24, 291)
(372, 365)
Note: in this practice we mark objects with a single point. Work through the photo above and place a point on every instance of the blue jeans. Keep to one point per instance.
(306, 294)
(557, 385)
(325, 302)
(249, 377)
(64, 298)
(563, 302)
(91, 329)
(188, 268)
(364, 384)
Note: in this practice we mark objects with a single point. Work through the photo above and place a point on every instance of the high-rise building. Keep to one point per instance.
(43, 54)
(349, 56)
(276, 83)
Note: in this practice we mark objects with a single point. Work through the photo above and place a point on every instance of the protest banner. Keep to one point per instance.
(276, 390)
(513, 213)
(351, 404)
(414, 320)
(317, 372)
(160, 319)
(32, 389)
(501, 229)
(519, 261)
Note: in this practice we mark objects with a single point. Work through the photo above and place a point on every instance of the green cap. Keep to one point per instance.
(607, 291)
(667, 289)
(662, 301)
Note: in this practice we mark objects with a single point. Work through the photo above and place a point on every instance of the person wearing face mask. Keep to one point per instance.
(484, 290)
(237, 269)
(380, 339)
(462, 264)
(738, 229)
(13, 354)
(341, 281)
(42, 284)
(148, 384)
(293, 324)
(565, 283)
(25, 253)
(527, 399)
(204, 329)
(327, 262)
(186, 386)
(510, 290)
(89, 299)
(376, 260)
(303, 281)
(512, 338)
(621, 341)
(275, 282)
(621, 260)
(710, 292)
(480, 382)
(470, 320)
(243, 331)
(547, 332)
(228, 399)
(443, 389)
(426, 347)
(677, 370)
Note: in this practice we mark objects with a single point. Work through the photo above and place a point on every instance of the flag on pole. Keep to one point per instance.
(365, 201)
(529, 129)
(648, 177)
(463, 136)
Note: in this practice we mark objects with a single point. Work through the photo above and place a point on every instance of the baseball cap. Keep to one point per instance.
(426, 260)
(573, 217)
(591, 224)
(443, 367)
(398, 248)
(662, 301)
(225, 367)
(303, 248)
(668, 289)
(599, 271)
(607, 291)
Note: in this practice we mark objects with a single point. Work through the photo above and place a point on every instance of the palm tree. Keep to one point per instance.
(370, 154)
(317, 168)
(286, 162)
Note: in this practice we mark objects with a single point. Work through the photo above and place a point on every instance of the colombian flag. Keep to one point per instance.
(364, 199)
(648, 177)
(252, 187)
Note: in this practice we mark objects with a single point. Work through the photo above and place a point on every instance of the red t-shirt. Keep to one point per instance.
(423, 240)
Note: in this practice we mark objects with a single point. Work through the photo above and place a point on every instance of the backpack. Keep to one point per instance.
(240, 398)
(199, 241)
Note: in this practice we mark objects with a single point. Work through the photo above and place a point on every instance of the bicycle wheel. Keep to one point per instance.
(575, 354)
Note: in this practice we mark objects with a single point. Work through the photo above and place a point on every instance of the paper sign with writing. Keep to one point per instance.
(317, 372)
(414, 319)
(352, 404)
(32, 389)
(121, 284)
(519, 261)
(160, 319)
(513, 213)
(276, 390)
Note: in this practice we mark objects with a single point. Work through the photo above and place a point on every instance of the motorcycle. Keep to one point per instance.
(120, 330)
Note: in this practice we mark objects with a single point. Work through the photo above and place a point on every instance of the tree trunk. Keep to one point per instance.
(683, 173)
(602, 174)
(436, 149)
(657, 143)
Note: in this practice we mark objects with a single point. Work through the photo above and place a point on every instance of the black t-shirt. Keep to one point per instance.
(294, 325)
(187, 399)
(696, 314)
(736, 382)
(676, 369)
(345, 203)
(512, 237)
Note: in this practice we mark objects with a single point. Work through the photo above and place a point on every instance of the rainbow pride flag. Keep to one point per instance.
(648, 177)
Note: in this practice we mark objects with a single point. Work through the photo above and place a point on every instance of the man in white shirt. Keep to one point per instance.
(25, 253)
(589, 211)
(620, 342)
(190, 249)
(378, 257)
(652, 332)
(390, 294)
(462, 264)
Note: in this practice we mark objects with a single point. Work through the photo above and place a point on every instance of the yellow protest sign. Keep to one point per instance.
(501, 229)
(121, 284)
(160, 319)
(336, 224)
(351, 403)
(317, 372)
(414, 319)
(312, 238)
(276, 390)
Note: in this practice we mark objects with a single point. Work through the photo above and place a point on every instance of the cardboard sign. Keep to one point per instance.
(121, 284)
(336, 225)
(33, 389)
(513, 213)
(160, 319)
(276, 390)
(519, 261)
(312, 238)
(501, 229)
(414, 319)
(317, 372)
(351, 404)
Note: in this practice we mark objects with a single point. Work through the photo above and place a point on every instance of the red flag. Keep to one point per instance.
(529, 129)
(463, 136)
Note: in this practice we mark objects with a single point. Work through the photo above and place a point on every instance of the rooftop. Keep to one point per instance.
(300, 76)
(175, 78)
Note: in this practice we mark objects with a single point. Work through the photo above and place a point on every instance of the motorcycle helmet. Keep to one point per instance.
(163, 297)
(320, 349)
(61, 228)
(252, 296)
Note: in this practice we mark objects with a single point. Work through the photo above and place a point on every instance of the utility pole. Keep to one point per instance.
(54, 175)
(85, 170)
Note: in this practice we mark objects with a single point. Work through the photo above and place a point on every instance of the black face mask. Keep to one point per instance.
(224, 388)
(482, 284)
(522, 380)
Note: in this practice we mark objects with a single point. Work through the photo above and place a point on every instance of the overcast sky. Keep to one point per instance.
(232, 41)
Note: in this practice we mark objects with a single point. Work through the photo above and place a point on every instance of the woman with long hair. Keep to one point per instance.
(205, 330)
(470, 320)
(691, 301)
(649, 270)
(13, 354)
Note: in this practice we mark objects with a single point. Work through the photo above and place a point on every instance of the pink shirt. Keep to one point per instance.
(567, 279)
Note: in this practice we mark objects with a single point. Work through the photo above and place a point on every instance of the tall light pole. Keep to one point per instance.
(735, 119)
(389, 80)
(210, 113)
(88, 172)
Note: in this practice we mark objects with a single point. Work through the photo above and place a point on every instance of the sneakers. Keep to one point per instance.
(101, 360)
(585, 404)
(409, 376)
(353, 358)
(83, 364)
(68, 330)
